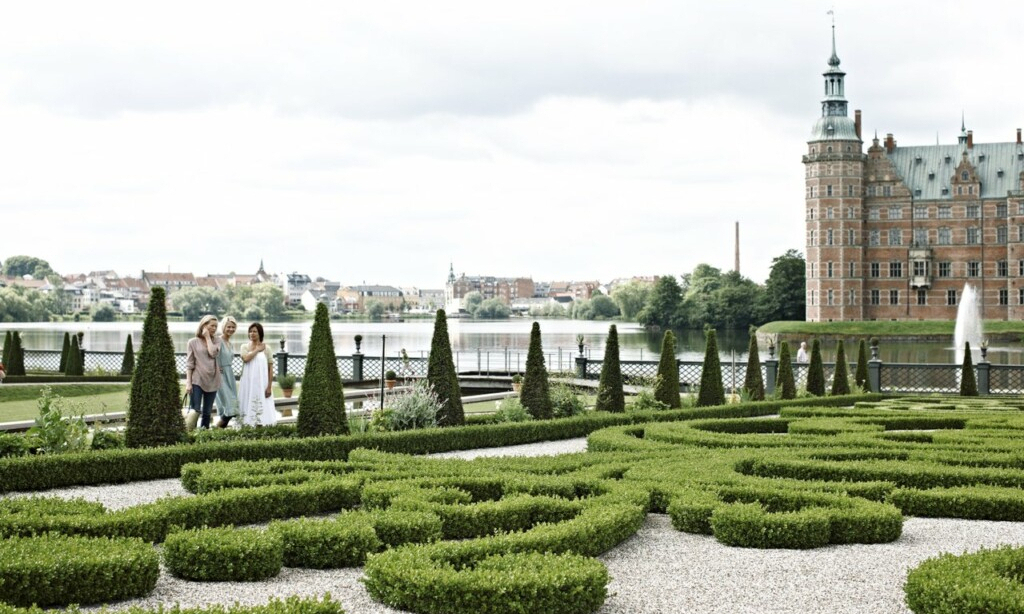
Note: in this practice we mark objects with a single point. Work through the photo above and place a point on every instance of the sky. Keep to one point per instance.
(380, 142)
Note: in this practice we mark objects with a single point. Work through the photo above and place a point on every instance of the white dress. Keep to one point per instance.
(255, 409)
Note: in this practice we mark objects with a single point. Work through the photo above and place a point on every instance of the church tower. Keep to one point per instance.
(834, 212)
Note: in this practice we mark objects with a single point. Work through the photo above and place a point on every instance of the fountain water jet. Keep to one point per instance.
(968, 325)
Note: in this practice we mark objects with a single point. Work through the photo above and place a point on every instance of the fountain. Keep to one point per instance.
(968, 325)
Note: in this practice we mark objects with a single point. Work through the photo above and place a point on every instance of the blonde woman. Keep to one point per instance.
(227, 394)
(255, 389)
(202, 373)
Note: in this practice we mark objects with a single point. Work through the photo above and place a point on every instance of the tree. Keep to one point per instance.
(711, 391)
(784, 296)
(374, 309)
(666, 389)
(74, 365)
(610, 396)
(785, 384)
(603, 307)
(64, 350)
(753, 383)
(194, 303)
(630, 298)
(493, 309)
(536, 395)
(128, 360)
(968, 384)
(9, 345)
(321, 398)
(816, 372)
(441, 374)
(19, 266)
(104, 313)
(21, 304)
(663, 304)
(841, 379)
(16, 366)
(154, 404)
(861, 378)
(472, 301)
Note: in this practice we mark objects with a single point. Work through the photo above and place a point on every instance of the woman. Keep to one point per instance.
(227, 394)
(202, 373)
(255, 389)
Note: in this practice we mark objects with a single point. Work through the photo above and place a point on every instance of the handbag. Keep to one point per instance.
(191, 415)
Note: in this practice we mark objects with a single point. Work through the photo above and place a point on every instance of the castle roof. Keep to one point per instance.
(930, 168)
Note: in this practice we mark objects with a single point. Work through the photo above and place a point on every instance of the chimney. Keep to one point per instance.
(890, 143)
(856, 124)
(737, 247)
(970, 139)
(1018, 136)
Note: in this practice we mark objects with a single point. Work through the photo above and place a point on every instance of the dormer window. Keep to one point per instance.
(999, 172)
(981, 158)
(964, 176)
(917, 159)
(948, 159)
(945, 190)
(931, 174)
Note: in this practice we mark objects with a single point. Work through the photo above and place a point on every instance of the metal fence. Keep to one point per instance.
(892, 377)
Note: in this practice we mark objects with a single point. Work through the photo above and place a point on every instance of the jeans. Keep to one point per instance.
(202, 402)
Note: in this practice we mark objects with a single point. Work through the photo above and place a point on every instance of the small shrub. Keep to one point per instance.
(53, 433)
(565, 402)
(326, 544)
(286, 381)
(224, 554)
(511, 410)
(416, 408)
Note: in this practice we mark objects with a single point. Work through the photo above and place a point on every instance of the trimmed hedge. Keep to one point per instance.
(224, 554)
(986, 582)
(54, 570)
(326, 544)
(289, 605)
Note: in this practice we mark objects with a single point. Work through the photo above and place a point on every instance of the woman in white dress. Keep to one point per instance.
(255, 388)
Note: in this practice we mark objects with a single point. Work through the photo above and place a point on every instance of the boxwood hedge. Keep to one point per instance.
(224, 554)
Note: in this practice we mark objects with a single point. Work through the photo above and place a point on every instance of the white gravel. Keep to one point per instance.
(658, 570)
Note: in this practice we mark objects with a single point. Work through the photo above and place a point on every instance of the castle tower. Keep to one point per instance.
(834, 176)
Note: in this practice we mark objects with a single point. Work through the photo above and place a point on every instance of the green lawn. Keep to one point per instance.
(27, 409)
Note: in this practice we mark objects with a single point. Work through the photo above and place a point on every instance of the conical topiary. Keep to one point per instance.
(841, 378)
(441, 374)
(968, 384)
(17, 361)
(321, 398)
(64, 352)
(536, 394)
(154, 405)
(666, 389)
(610, 396)
(861, 378)
(8, 345)
(785, 384)
(128, 361)
(753, 382)
(711, 390)
(816, 372)
(74, 366)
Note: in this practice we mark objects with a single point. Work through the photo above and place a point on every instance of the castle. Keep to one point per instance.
(896, 233)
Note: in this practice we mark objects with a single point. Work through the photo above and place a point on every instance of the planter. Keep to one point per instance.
(287, 393)
(286, 411)
(390, 383)
(517, 387)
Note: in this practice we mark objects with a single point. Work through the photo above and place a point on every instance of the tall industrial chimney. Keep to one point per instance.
(737, 247)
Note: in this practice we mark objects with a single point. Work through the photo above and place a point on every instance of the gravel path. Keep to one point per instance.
(658, 570)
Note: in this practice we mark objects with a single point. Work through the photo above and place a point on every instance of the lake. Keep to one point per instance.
(480, 341)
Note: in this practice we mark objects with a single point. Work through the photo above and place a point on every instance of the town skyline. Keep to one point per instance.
(387, 141)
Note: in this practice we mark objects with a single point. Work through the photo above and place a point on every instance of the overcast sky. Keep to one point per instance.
(379, 141)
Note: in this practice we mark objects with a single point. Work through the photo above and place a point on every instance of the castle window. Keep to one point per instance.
(973, 235)
(874, 213)
(894, 297)
(920, 212)
(1001, 235)
(853, 269)
(1001, 210)
(828, 190)
(922, 297)
(895, 236)
(1020, 296)
(1002, 269)
(887, 190)
(874, 238)
(874, 298)
(920, 236)
(830, 297)
(849, 190)
(851, 237)
(895, 269)
(973, 211)
(829, 274)
(828, 238)
(945, 268)
(895, 213)
(945, 212)
(851, 297)
(964, 176)
(974, 269)
(1004, 297)
(945, 236)
(951, 297)
(875, 270)
(830, 212)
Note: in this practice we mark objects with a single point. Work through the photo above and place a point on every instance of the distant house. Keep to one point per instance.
(310, 298)
(294, 286)
(358, 296)
(508, 289)
(169, 281)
